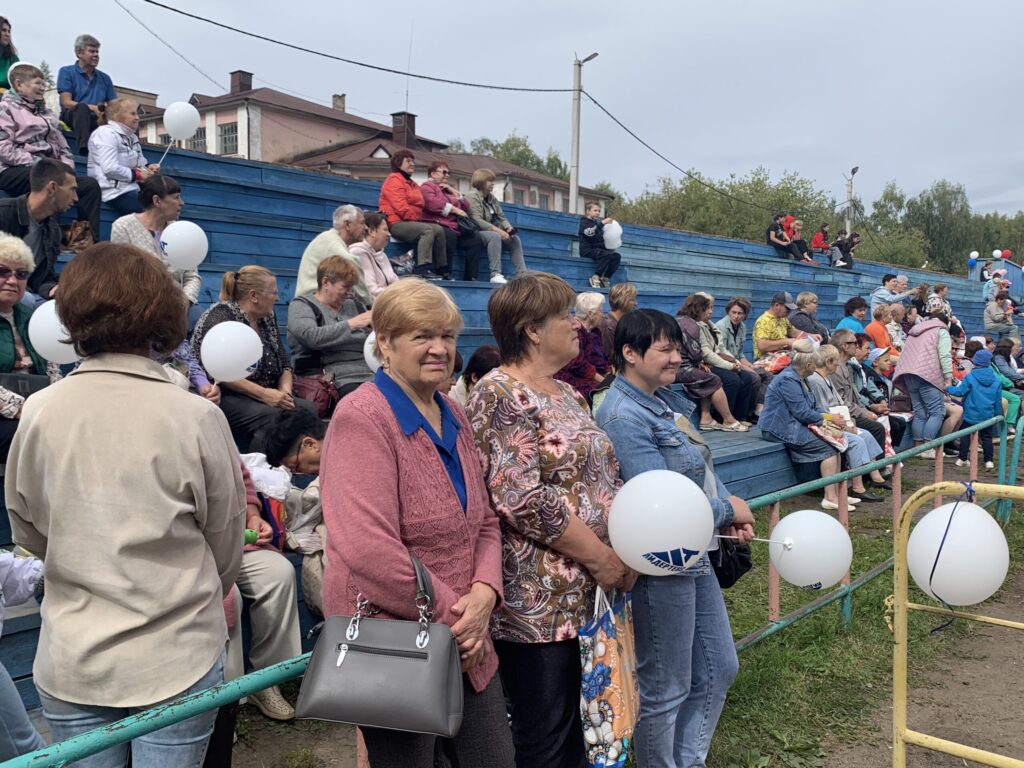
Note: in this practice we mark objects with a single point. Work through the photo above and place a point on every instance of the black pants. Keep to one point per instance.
(985, 436)
(14, 181)
(740, 390)
(472, 245)
(483, 741)
(7, 429)
(542, 683)
(82, 122)
(877, 430)
(126, 203)
(247, 416)
(896, 429)
(607, 261)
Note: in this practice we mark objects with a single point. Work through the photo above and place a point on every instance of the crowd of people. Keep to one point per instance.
(497, 474)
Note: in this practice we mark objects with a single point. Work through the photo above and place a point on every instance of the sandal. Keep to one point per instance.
(711, 426)
(736, 426)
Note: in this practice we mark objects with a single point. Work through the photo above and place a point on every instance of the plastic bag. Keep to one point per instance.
(613, 236)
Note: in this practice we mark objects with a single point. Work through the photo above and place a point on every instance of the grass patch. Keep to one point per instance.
(817, 681)
(302, 758)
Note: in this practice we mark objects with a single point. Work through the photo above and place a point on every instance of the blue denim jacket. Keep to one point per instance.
(789, 408)
(643, 430)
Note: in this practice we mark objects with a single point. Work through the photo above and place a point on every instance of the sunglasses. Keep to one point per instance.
(19, 274)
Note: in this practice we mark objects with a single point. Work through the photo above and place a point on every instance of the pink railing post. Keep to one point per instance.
(974, 456)
(896, 481)
(939, 456)
(773, 575)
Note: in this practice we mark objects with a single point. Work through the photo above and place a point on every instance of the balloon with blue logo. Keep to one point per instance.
(184, 244)
(230, 351)
(810, 549)
(660, 523)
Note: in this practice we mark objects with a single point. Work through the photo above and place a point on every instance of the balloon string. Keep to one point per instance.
(968, 494)
(164, 155)
(788, 544)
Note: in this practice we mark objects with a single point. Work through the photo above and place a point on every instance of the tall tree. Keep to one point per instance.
(943, 214)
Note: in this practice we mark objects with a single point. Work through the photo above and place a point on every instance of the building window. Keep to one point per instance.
(518, 197)
(165, 139)
(545, 202)
(228, 135)
(198, 142)
(533, 197)
(565, 203)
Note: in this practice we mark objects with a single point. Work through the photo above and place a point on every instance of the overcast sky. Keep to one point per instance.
(908, 91)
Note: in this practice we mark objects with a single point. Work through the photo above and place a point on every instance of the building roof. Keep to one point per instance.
(286, 102)
(360, 155)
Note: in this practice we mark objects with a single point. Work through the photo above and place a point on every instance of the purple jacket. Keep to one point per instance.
(579, 372)
(435, 200)
(28, 131)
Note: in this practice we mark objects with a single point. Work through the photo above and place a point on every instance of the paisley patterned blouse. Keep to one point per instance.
(544, 459)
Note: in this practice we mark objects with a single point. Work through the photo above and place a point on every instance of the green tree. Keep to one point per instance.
(943, 215)
(47, 74)
(455, 147)
(517, 151)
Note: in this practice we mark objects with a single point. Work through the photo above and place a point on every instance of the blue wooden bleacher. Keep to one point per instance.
(258, 213)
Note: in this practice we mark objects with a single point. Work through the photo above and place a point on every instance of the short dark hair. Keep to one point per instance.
(399, 156)
(281, 437)
(373, 220)
(458, 363)
(527, 299)
(779, 215)
(694, 306)
(119, 298)
(853, 304)
(640, 329)
(887, 277)
(862, 339)
(45, 170)
(484, 359)
(971, 347)
(1002, 295)
(157, 185)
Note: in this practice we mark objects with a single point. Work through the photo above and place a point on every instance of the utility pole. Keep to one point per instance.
(849, 196)
(574, 152)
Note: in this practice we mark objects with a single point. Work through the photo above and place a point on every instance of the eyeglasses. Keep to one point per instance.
(848, 343)
(443, 173)
(19, 274)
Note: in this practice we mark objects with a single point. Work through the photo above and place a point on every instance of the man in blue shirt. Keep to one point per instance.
(84, 91)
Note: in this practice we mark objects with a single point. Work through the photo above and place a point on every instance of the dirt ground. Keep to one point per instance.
(975, 696)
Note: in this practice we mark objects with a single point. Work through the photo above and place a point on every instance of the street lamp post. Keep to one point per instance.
(849, 195)
(574, 159)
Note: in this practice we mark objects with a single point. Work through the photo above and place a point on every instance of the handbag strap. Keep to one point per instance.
(424, 587)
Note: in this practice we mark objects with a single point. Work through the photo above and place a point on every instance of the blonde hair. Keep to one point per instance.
(480, 177)
(827, 354)
(804, 298)
(621, 295)
(411, 304)
(119, 107)
(234, 285)
(588, 302)
(337, 268)
(881, 311)
(14, 251)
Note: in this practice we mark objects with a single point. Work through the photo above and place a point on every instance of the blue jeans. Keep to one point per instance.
(182, 745)
(17, 734)
(929, 407)
(686, 661)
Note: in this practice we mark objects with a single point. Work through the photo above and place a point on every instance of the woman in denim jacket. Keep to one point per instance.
(686, 660)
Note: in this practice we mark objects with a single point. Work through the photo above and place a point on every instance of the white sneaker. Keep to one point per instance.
(839, 263)
(963, 462)
(498, 279)
(989, 465)
(595, 281)
(927, 454)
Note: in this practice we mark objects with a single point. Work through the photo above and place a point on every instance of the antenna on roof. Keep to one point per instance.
(408, 68)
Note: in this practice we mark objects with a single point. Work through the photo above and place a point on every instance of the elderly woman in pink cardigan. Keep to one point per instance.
(400, 475)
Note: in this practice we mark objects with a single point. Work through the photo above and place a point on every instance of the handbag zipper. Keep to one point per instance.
(344, 648)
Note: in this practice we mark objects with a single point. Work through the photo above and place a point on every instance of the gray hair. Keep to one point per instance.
(14, 251)
(827, 354)
(587, 302)
(345, 213)
(805, 298)
(85, 41)
(804, 355)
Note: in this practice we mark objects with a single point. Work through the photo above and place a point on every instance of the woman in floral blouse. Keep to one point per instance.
(551, 474)
(248, 296)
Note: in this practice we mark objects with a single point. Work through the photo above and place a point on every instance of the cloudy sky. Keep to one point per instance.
(909, 91)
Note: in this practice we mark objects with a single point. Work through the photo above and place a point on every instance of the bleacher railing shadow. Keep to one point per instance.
(78, 747)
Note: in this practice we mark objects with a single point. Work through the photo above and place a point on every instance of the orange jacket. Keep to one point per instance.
(401, 198)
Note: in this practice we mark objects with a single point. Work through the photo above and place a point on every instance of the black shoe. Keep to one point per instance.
(424, 271)
(447, 276)
(885, 485)
(867, 496)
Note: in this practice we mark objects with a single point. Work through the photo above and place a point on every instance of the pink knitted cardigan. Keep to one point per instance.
(386, 495)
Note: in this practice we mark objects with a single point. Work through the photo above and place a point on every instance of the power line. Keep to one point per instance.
(331, 56)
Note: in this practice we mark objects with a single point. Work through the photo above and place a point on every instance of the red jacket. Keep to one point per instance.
(401, 198)
(818, 242)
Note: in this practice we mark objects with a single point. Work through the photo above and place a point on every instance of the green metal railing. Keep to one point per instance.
(61, 753)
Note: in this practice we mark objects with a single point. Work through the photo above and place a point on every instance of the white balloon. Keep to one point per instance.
(660, 523)
(185, 244)
(230, 351)
(613, 236)
(817, 551)
(974, 254)
(997, 254)
(47, 334)
(368, 356)
(181, 120)
(974, 558)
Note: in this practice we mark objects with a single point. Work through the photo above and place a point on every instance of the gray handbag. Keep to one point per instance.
(386, 673)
